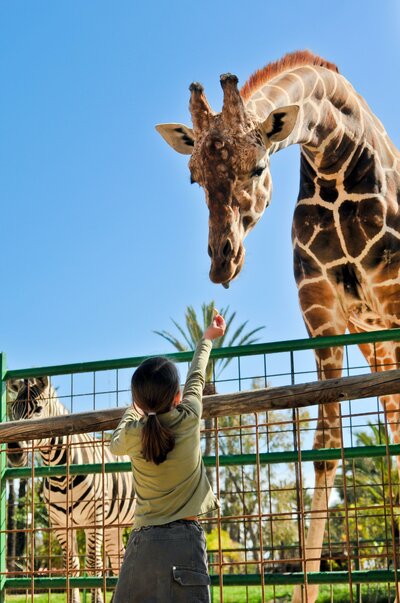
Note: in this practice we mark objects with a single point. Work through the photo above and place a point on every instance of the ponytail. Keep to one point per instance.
(157, 440)
(155, 384)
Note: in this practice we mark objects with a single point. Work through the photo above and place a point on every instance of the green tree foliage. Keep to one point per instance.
(368, 493)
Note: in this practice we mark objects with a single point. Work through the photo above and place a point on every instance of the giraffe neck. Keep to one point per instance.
(333, 119)
(346, 222)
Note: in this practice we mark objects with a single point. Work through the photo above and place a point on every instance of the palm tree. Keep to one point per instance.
(194, 331)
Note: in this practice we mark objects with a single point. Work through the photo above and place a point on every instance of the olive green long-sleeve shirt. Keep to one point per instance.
(178, 487)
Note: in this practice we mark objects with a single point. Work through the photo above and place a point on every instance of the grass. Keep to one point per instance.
(52, 597)
(282, 594)
(242, 594)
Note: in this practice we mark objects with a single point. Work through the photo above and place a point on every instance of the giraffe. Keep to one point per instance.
(346, 224)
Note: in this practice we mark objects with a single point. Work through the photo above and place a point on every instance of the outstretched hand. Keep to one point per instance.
(216, 328)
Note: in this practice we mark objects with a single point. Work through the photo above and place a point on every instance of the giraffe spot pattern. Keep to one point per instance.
(325, 466)
(319, 317)
(327, 246)
(389, 298)
(304, 266)
(309, 218)
(383, 255)
(361, 175)
(307, 180)
(346, 275)
(336, 152)
(393, 216)
(360, 221)
(327, 190)
(327, 124)
(317, 290)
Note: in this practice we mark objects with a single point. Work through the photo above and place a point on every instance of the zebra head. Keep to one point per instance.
(30, 400)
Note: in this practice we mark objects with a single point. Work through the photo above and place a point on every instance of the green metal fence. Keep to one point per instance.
(258, 465)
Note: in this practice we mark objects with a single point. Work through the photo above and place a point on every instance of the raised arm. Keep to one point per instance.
(193, 390)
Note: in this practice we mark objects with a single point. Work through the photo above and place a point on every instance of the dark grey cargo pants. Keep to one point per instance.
(165, 564)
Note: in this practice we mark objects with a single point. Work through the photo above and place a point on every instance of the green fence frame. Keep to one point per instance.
(333, 577)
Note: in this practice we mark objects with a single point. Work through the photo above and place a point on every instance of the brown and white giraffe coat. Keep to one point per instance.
(346, 225)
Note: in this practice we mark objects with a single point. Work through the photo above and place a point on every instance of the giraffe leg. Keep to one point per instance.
(71, 558)
(391, 406)
(327, 435)
(387, 357)
(94, 560)
(383, 356)
(323, 315)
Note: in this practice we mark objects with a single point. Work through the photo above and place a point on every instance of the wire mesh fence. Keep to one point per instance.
(67, 505)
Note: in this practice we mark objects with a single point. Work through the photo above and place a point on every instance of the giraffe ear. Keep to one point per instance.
(178, 136)
(280, 123)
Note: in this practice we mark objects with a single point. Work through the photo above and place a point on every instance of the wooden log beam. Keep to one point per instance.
(218, 405)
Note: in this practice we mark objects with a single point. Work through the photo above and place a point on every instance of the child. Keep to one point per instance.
(165, 559)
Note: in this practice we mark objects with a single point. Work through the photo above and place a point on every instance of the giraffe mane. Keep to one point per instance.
(289, 61)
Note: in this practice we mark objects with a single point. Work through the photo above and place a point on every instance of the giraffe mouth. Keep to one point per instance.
(231, 273)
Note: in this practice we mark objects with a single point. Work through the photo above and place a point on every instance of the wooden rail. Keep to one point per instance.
(218, 405)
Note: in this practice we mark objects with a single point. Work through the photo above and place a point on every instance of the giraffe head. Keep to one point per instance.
(230, 161)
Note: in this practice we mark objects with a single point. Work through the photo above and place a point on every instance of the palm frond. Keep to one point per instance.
(220, 343)
(208, 313)
(184, 335)
(237, 333)
(172, 340)
(194, 331)
(247, 338)
(192, 325)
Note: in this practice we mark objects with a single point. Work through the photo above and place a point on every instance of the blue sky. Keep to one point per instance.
(103, 239)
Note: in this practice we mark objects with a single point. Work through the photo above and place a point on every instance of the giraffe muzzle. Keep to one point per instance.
(223, 271)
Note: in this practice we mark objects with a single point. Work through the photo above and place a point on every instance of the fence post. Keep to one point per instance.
(3, 465)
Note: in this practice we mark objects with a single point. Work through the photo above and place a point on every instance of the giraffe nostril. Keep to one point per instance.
(209, 251)
(247, 221)
(227, 249)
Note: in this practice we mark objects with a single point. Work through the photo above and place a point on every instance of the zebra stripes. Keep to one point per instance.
(96, 503)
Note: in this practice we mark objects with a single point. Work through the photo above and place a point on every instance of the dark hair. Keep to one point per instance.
(155, 384)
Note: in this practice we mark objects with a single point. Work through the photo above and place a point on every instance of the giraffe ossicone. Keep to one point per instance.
(346, 223)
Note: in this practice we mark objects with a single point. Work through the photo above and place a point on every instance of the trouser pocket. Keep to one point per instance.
(189, 585)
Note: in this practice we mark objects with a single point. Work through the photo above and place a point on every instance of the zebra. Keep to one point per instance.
(75, 501)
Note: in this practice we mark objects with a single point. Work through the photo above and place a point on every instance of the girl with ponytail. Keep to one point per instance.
(165, 559)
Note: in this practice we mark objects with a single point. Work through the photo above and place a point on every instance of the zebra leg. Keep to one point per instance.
(114, 548)
(94, 560)
(71, 558)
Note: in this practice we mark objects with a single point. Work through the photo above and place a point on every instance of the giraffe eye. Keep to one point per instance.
(258, 170)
